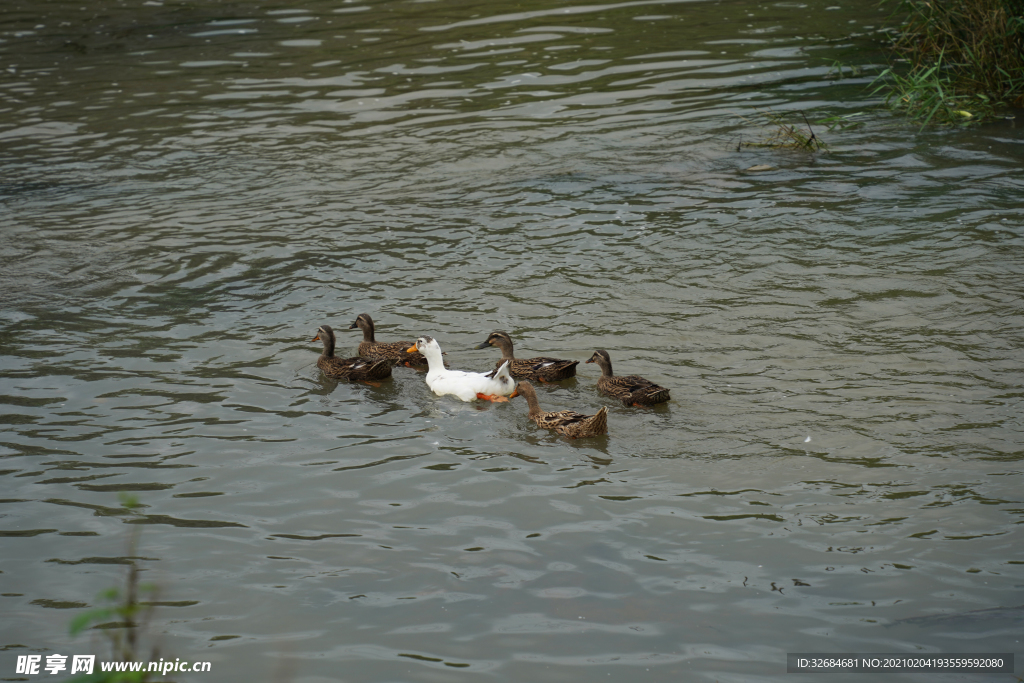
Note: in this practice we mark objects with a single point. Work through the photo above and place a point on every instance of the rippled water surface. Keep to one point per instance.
(188, 190)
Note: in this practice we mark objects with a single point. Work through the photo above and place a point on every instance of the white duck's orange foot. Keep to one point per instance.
(492, 398)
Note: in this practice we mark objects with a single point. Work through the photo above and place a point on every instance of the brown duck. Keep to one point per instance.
(566, 422)
(540, 369)
(396, 351)
(632, 390)
(349, 368)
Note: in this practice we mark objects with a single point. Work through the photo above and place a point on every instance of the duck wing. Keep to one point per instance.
(622, 385)
(355, 368)
(558, 418)
(466, 385)
(636, 390)
(647, 396)
(573, 424)
(543, 368)
(633, 390)
(398, 351)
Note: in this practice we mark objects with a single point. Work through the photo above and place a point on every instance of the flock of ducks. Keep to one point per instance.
(376, 359)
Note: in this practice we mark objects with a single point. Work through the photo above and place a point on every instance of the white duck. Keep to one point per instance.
(469, 386)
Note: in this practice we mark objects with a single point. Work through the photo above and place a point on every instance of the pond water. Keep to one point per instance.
(189, 190)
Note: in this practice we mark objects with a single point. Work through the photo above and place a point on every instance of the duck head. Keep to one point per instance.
(499, 339)
(603, 360)
(523, 388)
(424, 344)
(325, 334)
(363, 322)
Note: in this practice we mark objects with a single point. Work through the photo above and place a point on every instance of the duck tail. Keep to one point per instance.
(658, 395)
(568, 369)
(598, 424)
(504, 375)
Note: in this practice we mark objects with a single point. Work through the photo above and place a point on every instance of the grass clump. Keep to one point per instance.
(784, 134)
(965, 57)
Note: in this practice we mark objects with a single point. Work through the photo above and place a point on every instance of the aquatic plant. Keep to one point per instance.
(123, 618)
(960, 61)
(842, 70)
(784, 134)
(844, 121)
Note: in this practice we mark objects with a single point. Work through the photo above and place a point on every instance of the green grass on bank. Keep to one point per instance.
(959, 61)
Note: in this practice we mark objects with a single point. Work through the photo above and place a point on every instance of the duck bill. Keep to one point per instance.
(316, 338)
(590, 361)
(353, 326)
(412, 349)
(515, 392)
(482, 346)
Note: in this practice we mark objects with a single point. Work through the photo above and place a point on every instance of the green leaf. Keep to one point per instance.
(81, 621)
